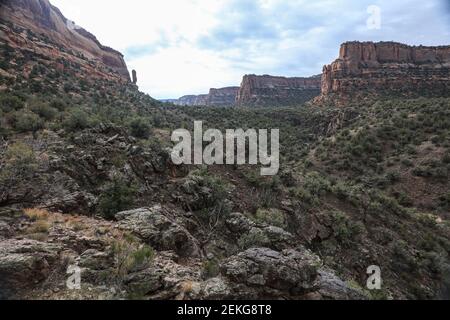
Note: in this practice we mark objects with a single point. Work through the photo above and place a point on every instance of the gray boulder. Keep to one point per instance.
(253, 234)
(24, 264)
(333, 288)
(160, 228)
(265, 273)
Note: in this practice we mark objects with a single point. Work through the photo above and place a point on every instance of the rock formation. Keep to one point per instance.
(223, 97)
(276, 91)
(192, 100)
(48, 32)
(386, 69)
(259, 91)
(134, 76)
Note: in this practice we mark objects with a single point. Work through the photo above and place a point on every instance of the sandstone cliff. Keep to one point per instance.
(223, 97)
(276, 91)
(192, 100)
(386, 69)
(39, 27)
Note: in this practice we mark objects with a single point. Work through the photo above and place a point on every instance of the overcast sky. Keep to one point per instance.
(181, 47)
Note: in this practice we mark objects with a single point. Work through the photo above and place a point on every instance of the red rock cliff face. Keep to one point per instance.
(192, 100)
(40, 17)
(223, 97)
(277, 91)
(386, 68)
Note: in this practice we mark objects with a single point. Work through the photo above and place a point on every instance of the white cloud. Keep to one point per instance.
(181, 70)
(183, 47)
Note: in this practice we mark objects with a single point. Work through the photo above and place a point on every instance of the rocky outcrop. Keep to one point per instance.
(276, 91)
(223, 97)
(49, 33)
(134, 77)
(248, 230)
(24, 263)
(333, 288)
(261, 273)
(258, 91)
(160, 228)
(267, 271)
(192, 100)
(386, 69)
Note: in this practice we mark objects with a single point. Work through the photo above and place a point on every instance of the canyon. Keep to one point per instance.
(363, 70)
(256, 91)
(86, 178)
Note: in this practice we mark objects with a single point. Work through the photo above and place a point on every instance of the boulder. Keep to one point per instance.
(5, 230)
(266, 273)
(333, 288)
(25, 264)
(251, 233)
(161, 229)
(216, 289)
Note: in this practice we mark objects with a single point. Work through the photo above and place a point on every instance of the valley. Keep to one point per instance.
(86, 177)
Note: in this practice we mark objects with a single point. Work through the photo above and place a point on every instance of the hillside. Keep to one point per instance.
(38, 27)
(86, 180)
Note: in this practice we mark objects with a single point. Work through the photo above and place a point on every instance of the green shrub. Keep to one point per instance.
(77, 120)
(58, 105)
(24, 121)
(44, 110)
(210, 269)
(19, 164)
(345, 230)
(272, 217)
(140, 128)
(10, 103)
(393, 177)
(446, 158)
(210, 191)
(130, 256)
(117, 196)
(255, 179)
(444, 201)
(254, 239)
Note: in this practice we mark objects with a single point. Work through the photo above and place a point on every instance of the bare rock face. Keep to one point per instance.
(386, 69)
(161, 229)
(63, 39)
(24, 263)
(272, 273)
(223, 97)
(134, 73)
(262, 273)
(276, 91)
(192, 100)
